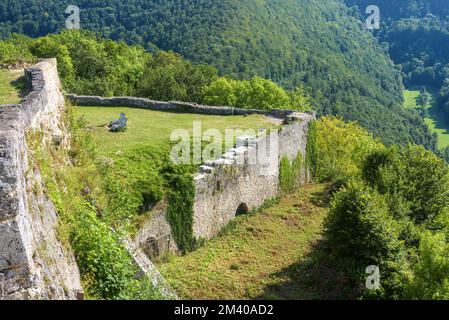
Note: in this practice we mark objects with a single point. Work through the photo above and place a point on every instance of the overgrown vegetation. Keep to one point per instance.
(181, 199)
(341, 148)
(311, 151)
(290, 173)
(389, 209)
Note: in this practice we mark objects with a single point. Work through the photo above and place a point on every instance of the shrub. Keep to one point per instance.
(181, 197)
(15, 49)
(100, 256)
(341, 148)
(431, 273)
(257, 93)
(414, 174)
(47, 47)
(311, 150)
(361, 232)
(290, 174)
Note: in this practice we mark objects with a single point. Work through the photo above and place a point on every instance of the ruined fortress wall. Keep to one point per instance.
(236, 181)
(241, 180)
(33, 264)
(223, 185)
(172, 106)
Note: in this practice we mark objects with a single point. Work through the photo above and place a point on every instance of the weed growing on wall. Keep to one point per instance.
(290, 174)
(181, 198)
(311, 150)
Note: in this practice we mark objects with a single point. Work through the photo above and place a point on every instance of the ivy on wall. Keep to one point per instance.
(181, 198)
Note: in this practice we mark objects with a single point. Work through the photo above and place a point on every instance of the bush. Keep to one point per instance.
(341, 148)
(431, 273)
(102, 259)
(361, 232)
(181, 198)
(414, 174)
(290, 174)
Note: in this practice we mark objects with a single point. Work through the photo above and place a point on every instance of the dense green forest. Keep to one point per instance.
(312, 43)
(416, 33)
(93, 66)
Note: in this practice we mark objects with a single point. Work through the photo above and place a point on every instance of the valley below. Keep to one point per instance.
(435, 119)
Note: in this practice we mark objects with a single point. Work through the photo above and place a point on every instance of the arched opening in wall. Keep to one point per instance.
(242, 209)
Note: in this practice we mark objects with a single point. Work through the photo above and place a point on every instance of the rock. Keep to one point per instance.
(119, 125)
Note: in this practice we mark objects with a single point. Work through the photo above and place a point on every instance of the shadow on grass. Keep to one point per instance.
(321, 199)
(438, 116)
(22, 86)
(315, 277)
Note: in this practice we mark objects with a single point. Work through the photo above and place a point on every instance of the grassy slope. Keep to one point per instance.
(259, 256)
(153, 127)
(437, 121)
(12, 87)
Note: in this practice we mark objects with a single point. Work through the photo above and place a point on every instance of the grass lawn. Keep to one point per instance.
(261, 256)
(154, 127)
(12, 86)
(436, 121)
(410, 99)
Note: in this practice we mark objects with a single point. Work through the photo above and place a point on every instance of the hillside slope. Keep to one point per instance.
(270, 255)
(417, 33)
(310, 42)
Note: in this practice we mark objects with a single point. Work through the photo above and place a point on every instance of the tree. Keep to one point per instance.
(423, 99)
(415, 174)
(361, 232)
(342, 148)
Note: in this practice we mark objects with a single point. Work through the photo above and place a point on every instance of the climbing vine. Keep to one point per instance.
(181, 198)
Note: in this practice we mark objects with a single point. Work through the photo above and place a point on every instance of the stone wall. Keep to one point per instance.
(245, 177)
(33, 264)
(171, 106)
(222, 186)
(239, 181)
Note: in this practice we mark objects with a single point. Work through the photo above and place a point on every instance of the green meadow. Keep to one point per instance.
(148, 127)
(436, 121)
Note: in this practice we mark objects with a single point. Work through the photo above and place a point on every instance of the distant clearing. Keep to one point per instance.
(436, 121)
